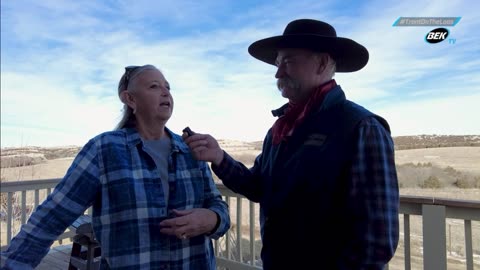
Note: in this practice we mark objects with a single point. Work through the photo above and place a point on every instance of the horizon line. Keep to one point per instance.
(250, 141)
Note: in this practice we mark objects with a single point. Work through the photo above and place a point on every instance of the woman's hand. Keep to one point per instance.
(190, 223)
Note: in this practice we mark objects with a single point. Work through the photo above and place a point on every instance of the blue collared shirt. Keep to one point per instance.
(113, 174)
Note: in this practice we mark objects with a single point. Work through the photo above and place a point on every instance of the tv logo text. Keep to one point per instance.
(437, 35)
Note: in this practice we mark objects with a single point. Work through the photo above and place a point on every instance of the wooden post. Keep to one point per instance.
(434, 237)
(450, 239)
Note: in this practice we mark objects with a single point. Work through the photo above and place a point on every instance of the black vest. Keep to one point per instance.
(303, 214)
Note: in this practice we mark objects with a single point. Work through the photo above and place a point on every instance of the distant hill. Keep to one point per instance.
(31, 155)
(401, 142)
(24, 156)
(433, 141)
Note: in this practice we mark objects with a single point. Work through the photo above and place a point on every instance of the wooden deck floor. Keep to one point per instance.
(57, 259)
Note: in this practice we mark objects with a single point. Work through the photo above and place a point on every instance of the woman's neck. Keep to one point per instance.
(151, 131)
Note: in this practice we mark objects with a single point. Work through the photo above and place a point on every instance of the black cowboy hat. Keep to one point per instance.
(317, 36)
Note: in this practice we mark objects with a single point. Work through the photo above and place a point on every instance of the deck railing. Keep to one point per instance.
(240, 247)
(14, 197)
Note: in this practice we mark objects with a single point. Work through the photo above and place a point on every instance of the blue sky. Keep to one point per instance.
(61, 62)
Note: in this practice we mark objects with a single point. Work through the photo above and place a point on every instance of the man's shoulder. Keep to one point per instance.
(359, 115)
(355, 107)
(349, 113)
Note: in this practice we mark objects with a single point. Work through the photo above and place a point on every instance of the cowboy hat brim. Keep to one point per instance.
(348, 54)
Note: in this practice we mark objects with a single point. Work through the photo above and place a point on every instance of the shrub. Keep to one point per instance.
(21, 160)
(463, 182)
(451, 171)
(431, 182)
(427, 164)
(467, 182)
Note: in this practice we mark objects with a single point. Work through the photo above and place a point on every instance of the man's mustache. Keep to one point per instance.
(287, 82)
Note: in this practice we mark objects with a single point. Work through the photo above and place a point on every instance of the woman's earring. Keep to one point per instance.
(134, 110)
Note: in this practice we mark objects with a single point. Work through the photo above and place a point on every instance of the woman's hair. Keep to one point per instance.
(125, 83)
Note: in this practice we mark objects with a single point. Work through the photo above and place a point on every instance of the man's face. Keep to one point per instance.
(296, 73)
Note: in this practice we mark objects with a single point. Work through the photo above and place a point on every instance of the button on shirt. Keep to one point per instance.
(119, 179)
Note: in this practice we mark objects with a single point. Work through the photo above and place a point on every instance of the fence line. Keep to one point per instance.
(233, 252)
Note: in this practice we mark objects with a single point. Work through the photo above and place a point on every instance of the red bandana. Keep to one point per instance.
(295, 113)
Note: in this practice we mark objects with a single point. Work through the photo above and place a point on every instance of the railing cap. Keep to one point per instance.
(440, 201)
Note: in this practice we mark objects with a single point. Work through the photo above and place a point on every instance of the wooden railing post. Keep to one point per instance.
(468, 244)
(252, 233)
(406, 241)
(238, 247)
(434, 237)
(10, 220)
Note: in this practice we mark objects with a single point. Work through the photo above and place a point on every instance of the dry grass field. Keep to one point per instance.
(449, 172)
(466, 159)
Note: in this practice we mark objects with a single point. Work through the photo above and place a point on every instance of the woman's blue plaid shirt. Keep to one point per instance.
(113, 174)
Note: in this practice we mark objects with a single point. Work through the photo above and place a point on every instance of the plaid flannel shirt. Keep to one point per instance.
(119, 179)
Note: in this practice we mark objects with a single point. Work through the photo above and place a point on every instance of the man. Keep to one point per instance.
(326, 179)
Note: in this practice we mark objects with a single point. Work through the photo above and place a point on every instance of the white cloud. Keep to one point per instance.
(33, 106)
(442, 116)
(60, 72)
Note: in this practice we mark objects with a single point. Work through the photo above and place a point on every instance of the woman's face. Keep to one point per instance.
(150, 94)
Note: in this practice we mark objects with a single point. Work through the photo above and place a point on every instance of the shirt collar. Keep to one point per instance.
(178, 145)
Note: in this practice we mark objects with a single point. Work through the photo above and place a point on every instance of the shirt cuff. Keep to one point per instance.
(219, 229)
(223, 168)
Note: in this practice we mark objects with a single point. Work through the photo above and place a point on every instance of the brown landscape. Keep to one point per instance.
(427, 165)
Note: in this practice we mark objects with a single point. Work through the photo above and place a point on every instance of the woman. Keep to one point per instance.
(154, 206)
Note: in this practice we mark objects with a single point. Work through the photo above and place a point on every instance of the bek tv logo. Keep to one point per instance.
(437, 35)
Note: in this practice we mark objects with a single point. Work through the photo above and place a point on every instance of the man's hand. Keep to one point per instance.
(204, 147)
(190, 223)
